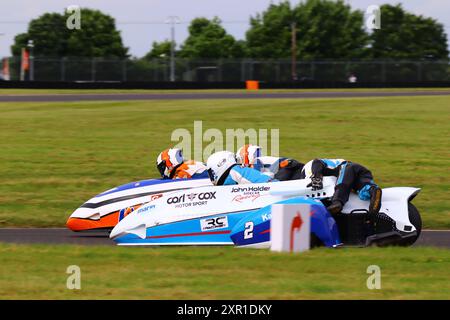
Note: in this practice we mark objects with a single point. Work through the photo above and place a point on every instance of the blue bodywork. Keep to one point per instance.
(189, 231)
(322, 224)
(229, 228)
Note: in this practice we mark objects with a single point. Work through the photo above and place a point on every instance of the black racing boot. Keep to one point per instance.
(375, 199)
(335, 207)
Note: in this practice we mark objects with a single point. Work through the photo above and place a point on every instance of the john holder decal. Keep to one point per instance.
(250, 189)
(241, 198)
(250, 193)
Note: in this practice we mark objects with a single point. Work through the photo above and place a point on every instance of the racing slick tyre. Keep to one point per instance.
(416, 221)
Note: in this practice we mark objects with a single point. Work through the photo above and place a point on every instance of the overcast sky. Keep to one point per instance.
(138, 36)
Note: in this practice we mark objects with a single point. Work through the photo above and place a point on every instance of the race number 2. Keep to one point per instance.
(248, 232)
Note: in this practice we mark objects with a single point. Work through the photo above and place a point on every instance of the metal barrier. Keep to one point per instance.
(231, 70)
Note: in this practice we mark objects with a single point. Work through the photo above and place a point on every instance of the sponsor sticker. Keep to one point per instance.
(214, 223)
(249, 193)
(250, 189)
(155, 196)
(189, 197)
(251, 197)
(146, 208)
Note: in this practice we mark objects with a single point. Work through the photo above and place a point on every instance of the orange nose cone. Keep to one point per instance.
(76, 224)
(105, 222)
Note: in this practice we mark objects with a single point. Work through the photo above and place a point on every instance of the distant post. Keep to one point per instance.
(172, 20)
(124, 70)
(24, 64)
(294, 50)
(30, 46)
(63, 69)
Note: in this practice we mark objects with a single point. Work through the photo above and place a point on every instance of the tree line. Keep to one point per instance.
(324, 29)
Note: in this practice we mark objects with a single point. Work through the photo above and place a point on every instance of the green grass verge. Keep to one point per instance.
(39, 272)
(155, 91)
(54, 156)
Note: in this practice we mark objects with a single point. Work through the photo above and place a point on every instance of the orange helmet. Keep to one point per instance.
(168, 160)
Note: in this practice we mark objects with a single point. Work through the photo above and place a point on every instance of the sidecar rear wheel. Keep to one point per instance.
(416, 221)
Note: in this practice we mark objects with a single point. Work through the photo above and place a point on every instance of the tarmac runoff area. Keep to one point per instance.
(206, 95)
(433, 238)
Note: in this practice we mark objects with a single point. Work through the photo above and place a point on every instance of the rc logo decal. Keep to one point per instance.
(214, 223)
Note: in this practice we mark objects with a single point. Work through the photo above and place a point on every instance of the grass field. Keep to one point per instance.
(38, 271)
(57, 155)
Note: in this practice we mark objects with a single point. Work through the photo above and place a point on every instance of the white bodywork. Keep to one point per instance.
(149, 193)
(394, 203)
(238, 198)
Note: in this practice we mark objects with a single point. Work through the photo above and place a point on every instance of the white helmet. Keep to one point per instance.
(248, 154)
(218, 164)
(168, 160)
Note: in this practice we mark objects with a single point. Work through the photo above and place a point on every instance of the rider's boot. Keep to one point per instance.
(335, 207)
(375, 199)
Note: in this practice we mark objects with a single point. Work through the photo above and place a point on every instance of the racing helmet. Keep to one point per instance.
(248, 154)
(218, 165)
(168, 160)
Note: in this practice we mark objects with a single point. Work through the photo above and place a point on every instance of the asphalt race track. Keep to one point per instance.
(54, 236)
(434, 238)
(206, 95)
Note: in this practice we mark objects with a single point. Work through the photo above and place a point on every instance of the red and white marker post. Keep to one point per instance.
(290, 227)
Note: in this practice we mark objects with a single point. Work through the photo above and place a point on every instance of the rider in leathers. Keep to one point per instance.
(350, 176)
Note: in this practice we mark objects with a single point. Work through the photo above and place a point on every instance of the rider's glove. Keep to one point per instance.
(316, 183)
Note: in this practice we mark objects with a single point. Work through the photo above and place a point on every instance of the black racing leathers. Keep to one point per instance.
(350, 176)
(289, 169)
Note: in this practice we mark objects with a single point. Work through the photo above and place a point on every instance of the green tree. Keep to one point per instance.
(48, 33)
(407, 36)
(269, 35)
(325, 30)
(159, 50)
(98, 36)
(330, 30)
(208, 39)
